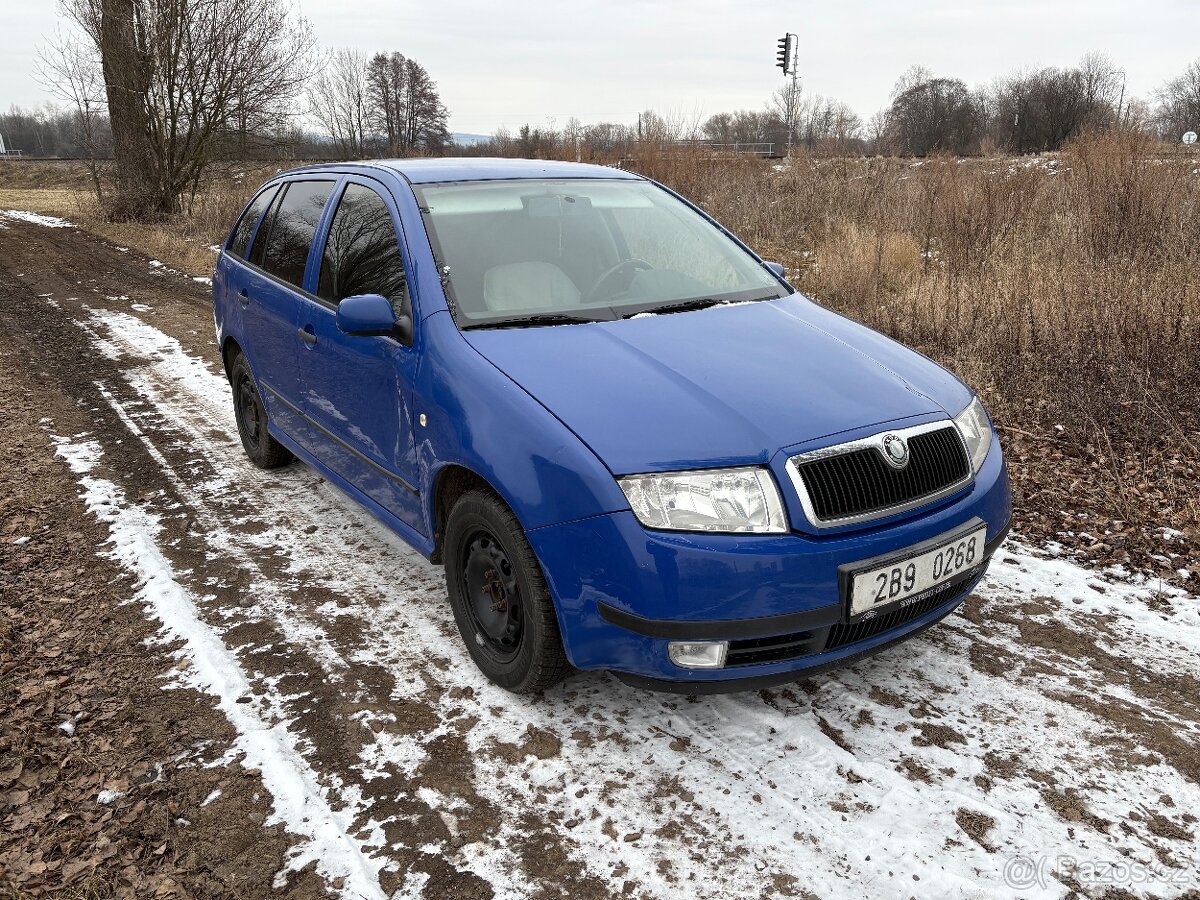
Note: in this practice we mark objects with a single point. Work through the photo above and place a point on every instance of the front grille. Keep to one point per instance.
(859, 482)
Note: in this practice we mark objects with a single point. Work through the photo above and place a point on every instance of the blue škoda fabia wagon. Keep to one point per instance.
(632, 445)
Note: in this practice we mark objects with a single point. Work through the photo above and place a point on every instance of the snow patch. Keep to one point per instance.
(22, 215)
(299, 801)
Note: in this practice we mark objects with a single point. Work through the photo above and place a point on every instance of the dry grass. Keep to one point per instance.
(1066, 289)
(63, 189)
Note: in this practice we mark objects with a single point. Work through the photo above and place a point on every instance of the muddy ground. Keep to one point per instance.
(315, 727)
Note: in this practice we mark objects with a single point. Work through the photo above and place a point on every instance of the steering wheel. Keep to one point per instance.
(634, 263)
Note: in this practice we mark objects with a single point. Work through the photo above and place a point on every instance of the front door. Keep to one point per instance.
(357, 391)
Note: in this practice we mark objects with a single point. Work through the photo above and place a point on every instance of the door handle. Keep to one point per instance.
(307, 336)
(243, 297)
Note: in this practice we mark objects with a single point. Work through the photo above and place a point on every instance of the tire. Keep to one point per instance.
(503, 608)
(264, 451)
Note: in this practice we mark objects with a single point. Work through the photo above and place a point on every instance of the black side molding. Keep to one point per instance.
(676, 629)
(329, 434)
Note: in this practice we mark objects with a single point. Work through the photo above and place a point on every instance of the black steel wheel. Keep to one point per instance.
(499, 596)
(489, 584)
(264, 451)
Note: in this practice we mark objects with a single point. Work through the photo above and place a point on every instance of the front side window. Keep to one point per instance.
(292, 228)
(581, 250)
(239, 240)
(362, 254)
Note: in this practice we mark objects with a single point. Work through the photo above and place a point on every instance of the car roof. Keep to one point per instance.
(472, 168)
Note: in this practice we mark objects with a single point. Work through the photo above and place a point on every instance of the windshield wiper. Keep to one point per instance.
(531, 321)
(695, 303)
(681, 306)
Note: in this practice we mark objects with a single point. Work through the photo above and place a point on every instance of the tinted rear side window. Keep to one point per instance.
(292, 228)
(240, 239)
(260, 237)
(362, 254)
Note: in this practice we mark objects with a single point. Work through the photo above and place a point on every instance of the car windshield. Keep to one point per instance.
(531, 252)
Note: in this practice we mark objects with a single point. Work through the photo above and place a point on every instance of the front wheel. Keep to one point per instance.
(499, 596)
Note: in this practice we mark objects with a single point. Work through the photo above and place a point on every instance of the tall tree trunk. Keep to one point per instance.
(124, 80)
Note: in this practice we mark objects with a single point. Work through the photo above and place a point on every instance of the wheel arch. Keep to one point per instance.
(229, 350)
(451, 482)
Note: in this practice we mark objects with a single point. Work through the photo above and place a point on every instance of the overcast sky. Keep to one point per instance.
(503, 64)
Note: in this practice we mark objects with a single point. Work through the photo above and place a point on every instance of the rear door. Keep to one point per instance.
(271, 292)
(232, 272)
(357, 389)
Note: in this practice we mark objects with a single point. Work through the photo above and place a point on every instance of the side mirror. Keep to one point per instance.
(372, 314)
(780, 272)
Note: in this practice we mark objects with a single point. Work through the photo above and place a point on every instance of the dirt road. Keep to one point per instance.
(1042, 740)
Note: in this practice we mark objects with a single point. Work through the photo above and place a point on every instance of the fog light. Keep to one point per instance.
(698, 654)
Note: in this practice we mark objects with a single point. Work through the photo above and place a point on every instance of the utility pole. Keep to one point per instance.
(1121, 102)
(787, 58)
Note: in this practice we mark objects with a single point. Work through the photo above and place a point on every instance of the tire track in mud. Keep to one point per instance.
(925, 766)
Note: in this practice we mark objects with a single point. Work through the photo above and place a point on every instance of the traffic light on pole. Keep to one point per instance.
(784, 54)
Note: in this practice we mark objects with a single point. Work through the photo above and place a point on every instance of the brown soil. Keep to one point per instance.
(84, 707)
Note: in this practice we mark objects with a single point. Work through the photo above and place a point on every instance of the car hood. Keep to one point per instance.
(718, 386)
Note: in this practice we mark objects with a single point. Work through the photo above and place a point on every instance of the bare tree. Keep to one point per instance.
(425, 114)
(934, 115)
(1179, 103)
(1102, 84)
(1035, 111)
(785, 104)
(179, 76)
(337, 99)
(387, 103)
(386, 76)
(827, 125)
(67, 66)
(878, 130)
(52, 131)
(913, 76)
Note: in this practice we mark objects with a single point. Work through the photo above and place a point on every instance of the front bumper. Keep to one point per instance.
(623, 591)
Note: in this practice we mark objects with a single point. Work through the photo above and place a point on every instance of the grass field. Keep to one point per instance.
(1065, 288)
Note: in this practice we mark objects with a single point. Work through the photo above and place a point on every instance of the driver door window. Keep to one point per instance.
(362, 254)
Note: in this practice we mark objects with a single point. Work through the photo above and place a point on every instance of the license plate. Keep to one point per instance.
(907, 579)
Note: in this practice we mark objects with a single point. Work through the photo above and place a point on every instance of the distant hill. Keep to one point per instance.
(466, 139)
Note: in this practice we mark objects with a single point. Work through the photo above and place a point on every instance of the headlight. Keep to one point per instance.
(731, 500)
(976, 429)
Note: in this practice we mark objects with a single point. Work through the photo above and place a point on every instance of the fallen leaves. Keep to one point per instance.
(96, 796)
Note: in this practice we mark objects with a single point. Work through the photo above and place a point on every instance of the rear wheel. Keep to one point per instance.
(264, 451)
(499, 596)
